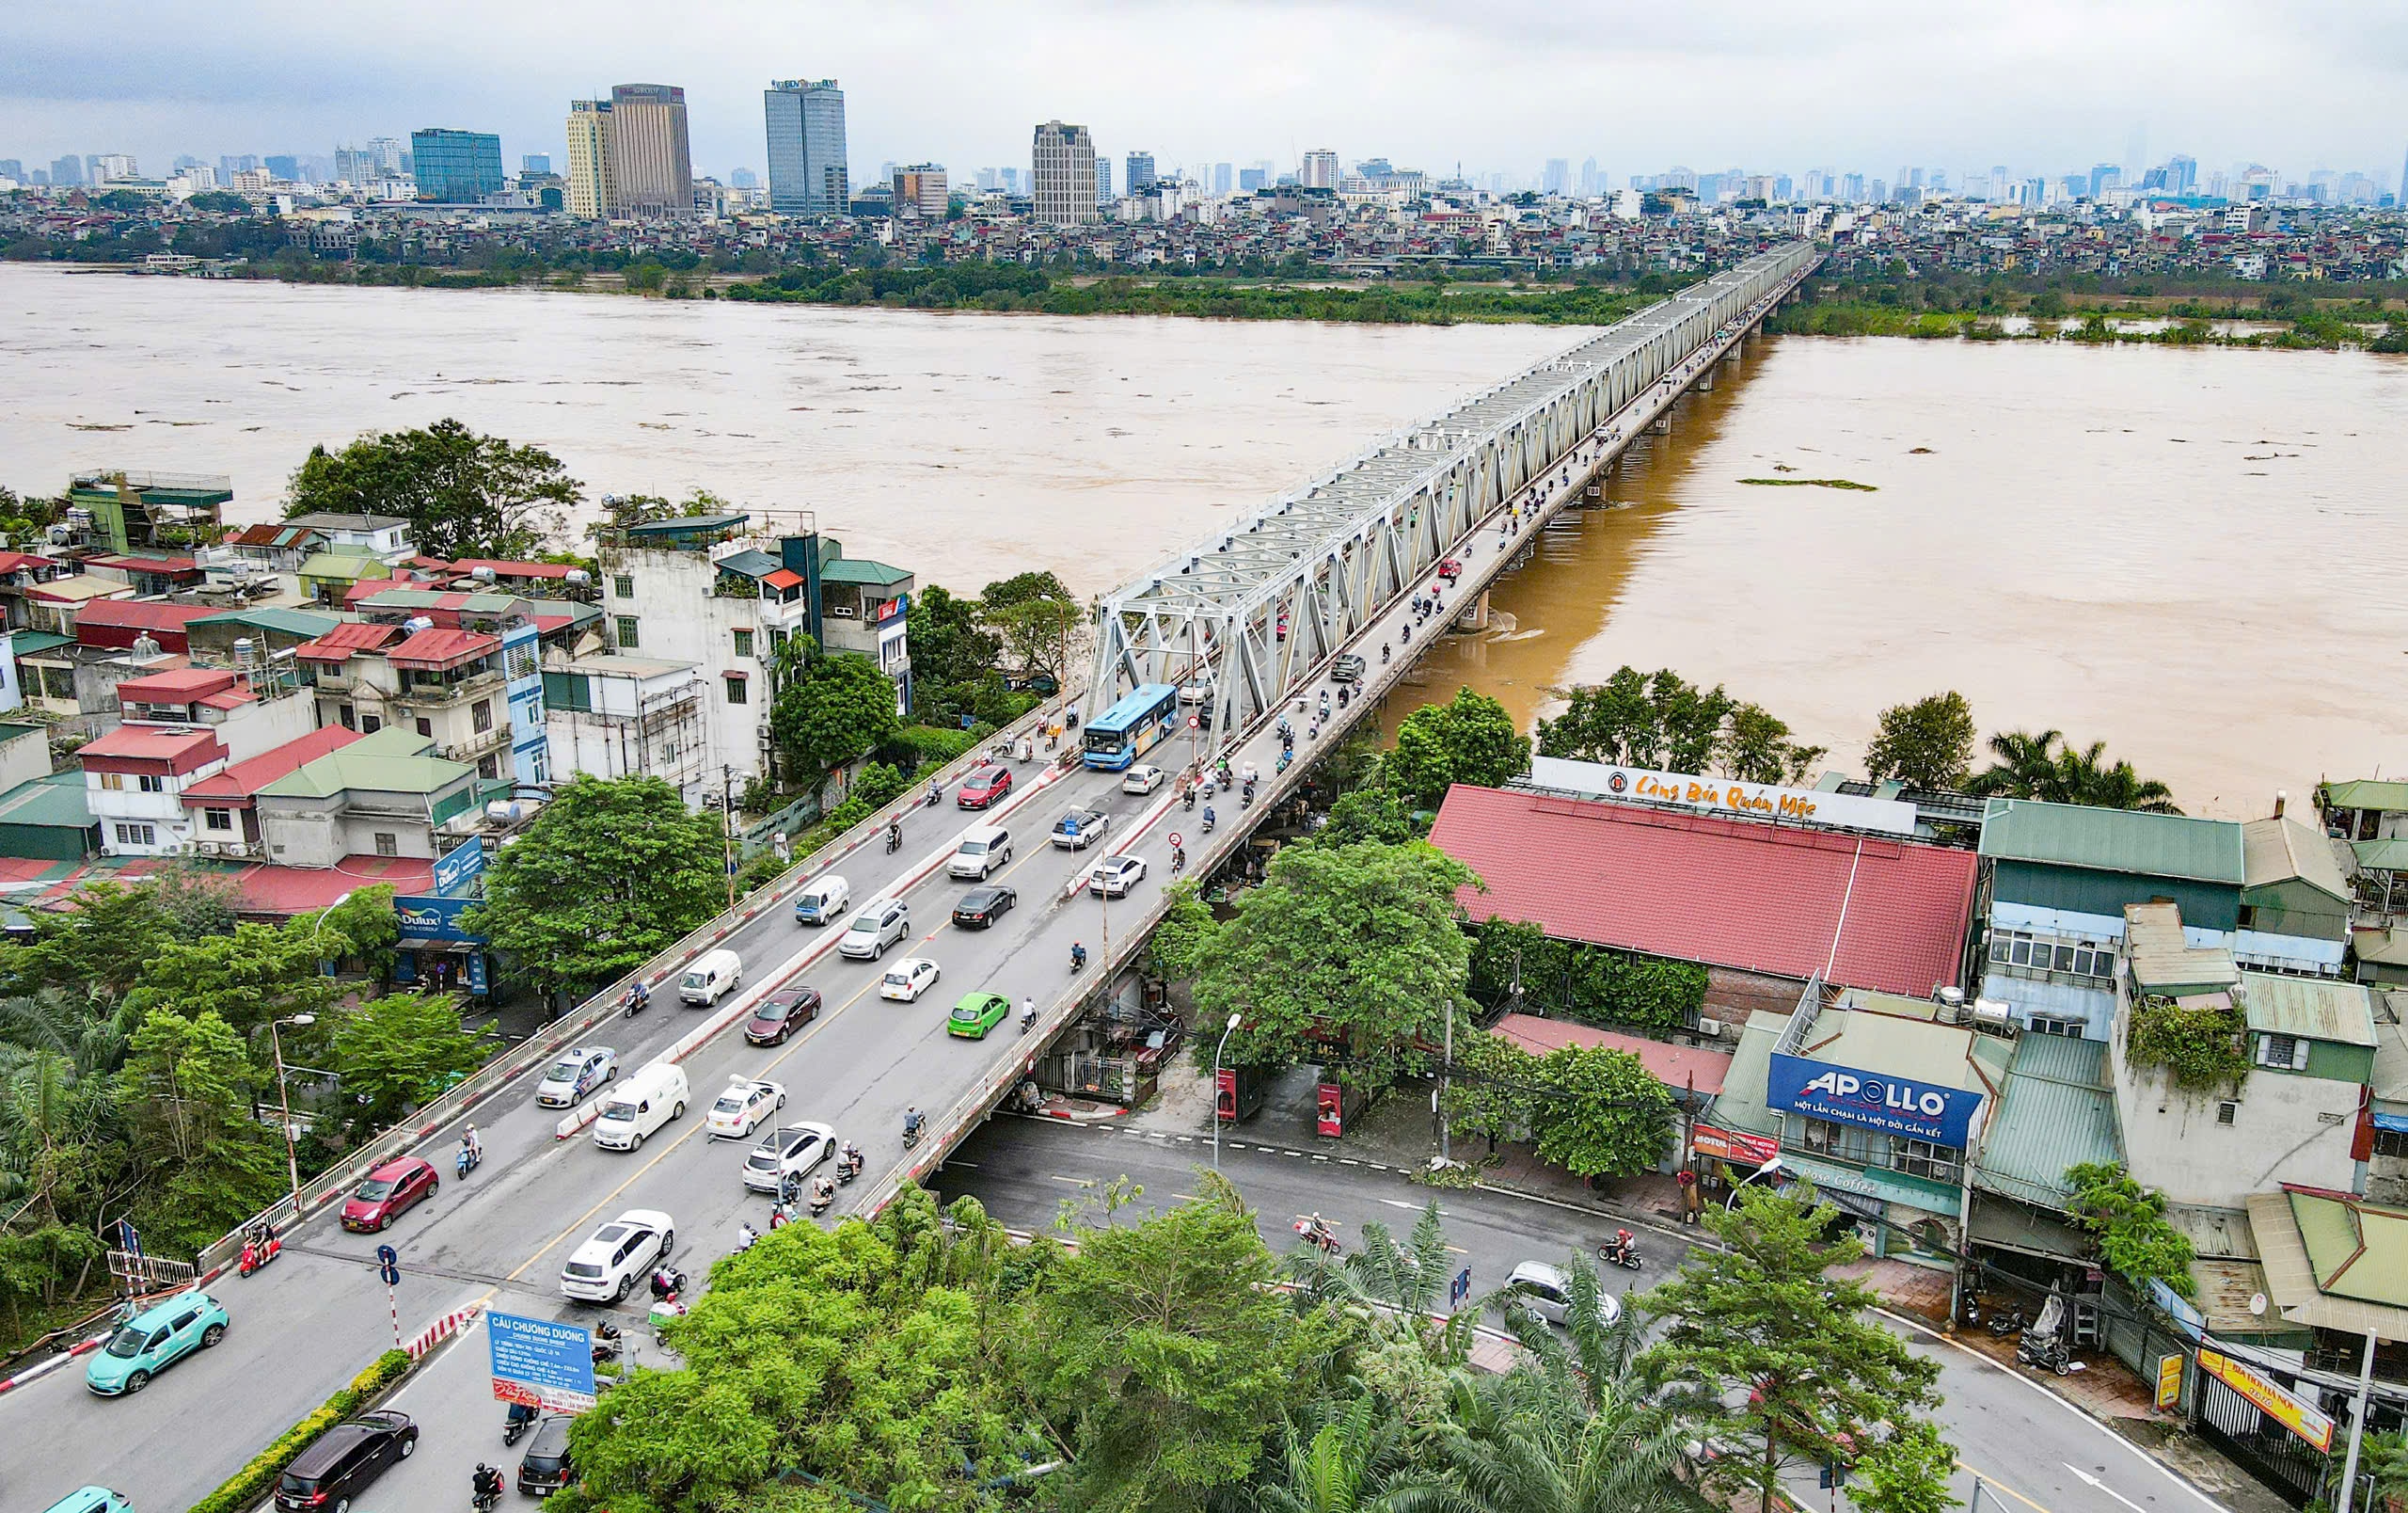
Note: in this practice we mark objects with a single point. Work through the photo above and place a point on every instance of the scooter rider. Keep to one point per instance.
(849, 1158)
(823, 1193)
(894, 834)
(913, 1120)
(1078, 948)
(1027, 1014)
(1208, 819)
(485, 1485)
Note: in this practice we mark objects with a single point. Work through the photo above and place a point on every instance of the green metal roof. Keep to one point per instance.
(1915, 1049)
(54, 801)
(2112, 840)
(2356, 1249)
(1741, 1105)
(2312, 1007)
(688, 525)
(2366, 793)
(427, 598)
(29, 642)
(2382, 855)
(11, 729)
(863, 571)
(275, 617)
(2056, 1111)
(393, 760)
(347, 566)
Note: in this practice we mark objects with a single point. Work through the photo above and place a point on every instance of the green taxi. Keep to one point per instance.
(977, 1014)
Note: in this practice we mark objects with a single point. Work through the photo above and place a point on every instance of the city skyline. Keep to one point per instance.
(2054, 90)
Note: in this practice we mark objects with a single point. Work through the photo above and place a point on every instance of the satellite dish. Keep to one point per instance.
(2257, 1304)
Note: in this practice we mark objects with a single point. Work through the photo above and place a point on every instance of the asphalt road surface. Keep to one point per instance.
(2033, 1452)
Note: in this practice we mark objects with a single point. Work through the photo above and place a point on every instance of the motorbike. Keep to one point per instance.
(1028, 1021)
(520, 1419)
(1319, 1236)
(484, 1499)
(1624, 1255)
(668, 1283)
(606, 1342)
(2049, 1354)
(466, 1161)
(634, 1000)
(936, 795)
(822, 1199)
(2003, 1324)
(846, 1171)
(257, 1252)
(1187, 800)
(1078, 958)
(894, 841)
(1207, 822)
(1178, 860)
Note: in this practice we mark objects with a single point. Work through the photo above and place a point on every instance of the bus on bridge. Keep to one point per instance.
(1125, 732)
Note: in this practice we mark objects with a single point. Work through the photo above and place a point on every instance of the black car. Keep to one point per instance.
(546, 1467)
(982, 906)
(1346, 669)
(341, 1462)
(781, 1014)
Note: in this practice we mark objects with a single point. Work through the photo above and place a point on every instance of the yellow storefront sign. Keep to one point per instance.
(2272, 1397)
(2169, 1380)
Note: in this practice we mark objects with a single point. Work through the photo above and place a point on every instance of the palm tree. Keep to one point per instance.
(2026, 767)
(1349, 1459)
(1393, 1289)
(2084, 779)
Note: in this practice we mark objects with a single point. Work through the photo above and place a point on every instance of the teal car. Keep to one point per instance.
(977, 1014)
(153, 1340)
(91, 1500)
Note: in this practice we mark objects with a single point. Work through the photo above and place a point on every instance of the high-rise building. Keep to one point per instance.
(284, 165)
(12, 169)
(808, 175)
(535, 163)
(1141, 173)
(743, 179)
(105, 168)
(1557, 177)
(989, 180)
(652, 165)
(1224, 179)
(920, 189)
(454, 167)
(1103, 182)
(1062, 163)
(1251, 179)
(1318, 171)
(1592, 181)
(1012, 183)
(230, 164)
(590, 193)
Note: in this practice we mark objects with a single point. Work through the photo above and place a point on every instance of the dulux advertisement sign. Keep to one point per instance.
(1846, 1095)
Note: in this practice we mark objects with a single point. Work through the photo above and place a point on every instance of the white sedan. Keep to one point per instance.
(782, 1154)
(605, 1267)
(743, 1106)
(575, 1073)
(1141, 779)
(907, 978)
(1114, 877)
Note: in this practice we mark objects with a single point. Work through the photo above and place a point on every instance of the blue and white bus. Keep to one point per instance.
(1129, 729)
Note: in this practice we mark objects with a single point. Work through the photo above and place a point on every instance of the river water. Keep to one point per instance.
(2196, 556)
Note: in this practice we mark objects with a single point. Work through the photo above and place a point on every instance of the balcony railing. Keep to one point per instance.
(435, 695)
(480, 744)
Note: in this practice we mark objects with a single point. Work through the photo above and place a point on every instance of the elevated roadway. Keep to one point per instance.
(498, 1239)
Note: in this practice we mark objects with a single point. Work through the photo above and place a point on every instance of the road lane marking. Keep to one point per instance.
(1991, 1484)
(1075, 1182)
(2093, 1482)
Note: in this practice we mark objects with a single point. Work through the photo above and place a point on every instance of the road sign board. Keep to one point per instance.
(1177, 839)
(543, 1362)
(388, 1264)
(1195, 721)
(1460, 1288)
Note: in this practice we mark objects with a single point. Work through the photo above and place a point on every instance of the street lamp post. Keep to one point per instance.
(1764, 1170)
(284, 1103)
(1216, 1089)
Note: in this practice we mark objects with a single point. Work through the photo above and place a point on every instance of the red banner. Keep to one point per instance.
(1332, 1109)
(1730, 1145)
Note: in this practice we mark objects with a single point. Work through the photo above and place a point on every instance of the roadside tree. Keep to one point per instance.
(1926, 745)
(1601, 1114)
(395, 1052)
(465, 495)
(1469, 739)
(836, 708)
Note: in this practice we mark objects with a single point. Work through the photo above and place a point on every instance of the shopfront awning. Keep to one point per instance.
(1879, 1185)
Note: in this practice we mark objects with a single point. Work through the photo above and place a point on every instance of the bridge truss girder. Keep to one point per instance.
(1325, 558)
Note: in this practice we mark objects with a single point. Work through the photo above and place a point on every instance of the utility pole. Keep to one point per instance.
(1446, 1081)
(727, 829)
(2357, 1426)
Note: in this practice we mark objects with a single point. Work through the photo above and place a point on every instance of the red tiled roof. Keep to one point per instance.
(1861, 912)
(784, 578)
(182, 750)
(502, 568)
(1671, 1065)
(118, 622)
(294, 890)
(146, 564)
(15, 561)
(439, 648)
(238, 783)
(232, 698)
(180, 686)
(351, 636)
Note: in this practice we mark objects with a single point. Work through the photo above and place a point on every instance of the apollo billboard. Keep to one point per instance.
(1846, 1095)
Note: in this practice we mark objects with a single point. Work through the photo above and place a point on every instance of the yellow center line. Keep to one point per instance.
(1991, 1484)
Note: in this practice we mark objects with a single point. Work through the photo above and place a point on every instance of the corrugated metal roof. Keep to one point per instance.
(2163, 963)
(2388, 946)
(56, 801)
(275, 617)
(2112, 840)
(2315, 1007)
(2390, 1079)
(1741, 1105)
(439, 648)
(2057, 1111)
(2359, 1250)
(343, 566)
(2366, 793)
(2377, 855)
(393, 760)
(1866, 912)
(749, 563)
(2280, 849)
(1916, 1049)
(861, 570)
(33, 642)
(686, 525)
(1678, 1067)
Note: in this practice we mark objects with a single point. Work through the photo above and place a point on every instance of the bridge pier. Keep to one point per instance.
(1704, 384)
(1662, 424)
(1475, 614)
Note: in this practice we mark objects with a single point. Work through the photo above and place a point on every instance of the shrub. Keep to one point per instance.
(915, 747)
(2200, 1048)
(246, 1487)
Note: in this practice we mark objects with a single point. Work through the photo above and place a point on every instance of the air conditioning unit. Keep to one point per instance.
(208, 848)
(1712, 1028)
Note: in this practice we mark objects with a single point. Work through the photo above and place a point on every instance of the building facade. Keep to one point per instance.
(1141, 173)
(652, 164)
(589, 194)
(1063, 162)
(807, 171)
(1318, 171)
(454, 167)
(921, 189)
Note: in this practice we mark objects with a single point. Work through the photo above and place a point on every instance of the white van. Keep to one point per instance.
(713, 976)
(983, 849)
(652, 1097)
(822, 901)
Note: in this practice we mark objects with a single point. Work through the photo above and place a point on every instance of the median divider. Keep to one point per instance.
(248, 1485)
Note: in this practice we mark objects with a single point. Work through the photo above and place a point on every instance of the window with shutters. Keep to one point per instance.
(387, 843)
(623, 585)
(2284, 1052)
(628, 640)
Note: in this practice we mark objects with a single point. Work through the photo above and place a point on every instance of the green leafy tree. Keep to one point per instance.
(1179, 943)
(1354, 947)
(952, 654)
(465, 495)
(1348, 1457)
(187, 1085)
(2129, 1223)
(1906, 1471)
(391, 1051)
(104, 945)
(604, 878)
(1657, 720)
(1469, 739)
(1376, 814)
(1159, 1353)
(841, 707)
(1926, 745)
(1602, 1115)
(1790, 1366)
(1035, 618)
(1495, 1090)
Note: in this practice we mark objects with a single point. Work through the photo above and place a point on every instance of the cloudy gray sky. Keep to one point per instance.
(1869, 85)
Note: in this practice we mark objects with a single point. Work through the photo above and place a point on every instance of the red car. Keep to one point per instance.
(1450, 569)
(389, 1192)
(984, 786)
(781, 1014)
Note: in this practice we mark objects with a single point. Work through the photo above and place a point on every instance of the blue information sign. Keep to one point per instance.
(388, 1264)
(543, 1362)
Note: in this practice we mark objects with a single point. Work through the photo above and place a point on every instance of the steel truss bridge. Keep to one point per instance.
(1323, 561)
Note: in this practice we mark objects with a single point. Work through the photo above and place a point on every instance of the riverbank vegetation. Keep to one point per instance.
(922, 1358)
(1812, 483)
(2228, 313)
